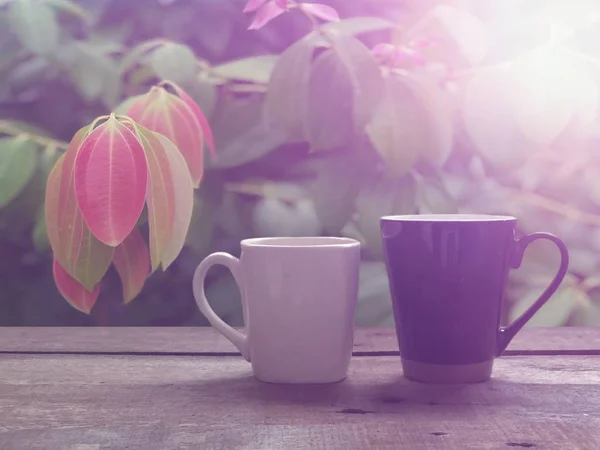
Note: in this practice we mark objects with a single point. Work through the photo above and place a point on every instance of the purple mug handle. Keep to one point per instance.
(506, 334)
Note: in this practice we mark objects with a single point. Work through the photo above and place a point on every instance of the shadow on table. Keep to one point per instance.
(399, 395)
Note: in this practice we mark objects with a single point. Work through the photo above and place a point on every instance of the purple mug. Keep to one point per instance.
(447, 274)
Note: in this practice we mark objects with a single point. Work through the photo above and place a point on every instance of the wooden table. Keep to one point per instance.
(187, 388)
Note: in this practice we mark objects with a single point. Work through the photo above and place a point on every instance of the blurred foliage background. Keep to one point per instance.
(444, 140)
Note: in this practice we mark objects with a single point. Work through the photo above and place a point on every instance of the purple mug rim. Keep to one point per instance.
(445, 218)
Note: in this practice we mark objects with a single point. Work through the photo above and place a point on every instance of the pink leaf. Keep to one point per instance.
(174, 117)
(198, 115)
(253, 5)
(74, 292)
(184, 200)
(321, 11)
(78, 252)
(265, 14)
(110, 179)
(132, 262)
(161, 193)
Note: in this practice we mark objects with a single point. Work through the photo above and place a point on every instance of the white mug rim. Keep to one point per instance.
(300, 242)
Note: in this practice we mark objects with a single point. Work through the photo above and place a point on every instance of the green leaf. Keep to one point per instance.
(35, 25)
(583, 261)
(434, 198)
(255, 69)
(438, 118)
(329, 120)
(555, 312)
(411, 122)
(364, 75)
(374, 308)
(18, 216)
(204, 94)
(35, 70)
(543, 111)
(95, 75)
(274, 217)
(68, 7)
(336, 188)
(461, 36)
(26, 127)
(587, 313)
(202, 227)
(17, 164)
(337, 111)
(208, 200)
(242, 133)
(104, 45)
(139, 52)
(184, 201)
(489, 119)
(396, 130)
(381, 198)
(39, 235)
(287, 96)
(175, 62)
(10, 48)
(358, 25)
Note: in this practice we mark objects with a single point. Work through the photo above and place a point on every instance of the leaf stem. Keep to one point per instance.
(316, 26)
(11, 130)
(98, 119)
(126, 119)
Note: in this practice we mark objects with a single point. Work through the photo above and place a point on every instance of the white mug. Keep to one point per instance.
(299, 297)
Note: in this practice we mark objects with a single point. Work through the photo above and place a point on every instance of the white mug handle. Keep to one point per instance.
(232, 263)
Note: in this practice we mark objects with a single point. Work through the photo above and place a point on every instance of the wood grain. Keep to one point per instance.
(194, 402)
(206, 341)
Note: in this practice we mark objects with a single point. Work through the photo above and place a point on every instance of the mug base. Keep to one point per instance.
(300, 380)
(447, 374)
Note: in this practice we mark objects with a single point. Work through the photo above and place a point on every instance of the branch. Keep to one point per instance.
(11, 130)
(247, 88)
(562, 209)
(205, 69)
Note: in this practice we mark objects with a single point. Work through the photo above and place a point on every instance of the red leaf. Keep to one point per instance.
(110, 177)
(161, 193)
(75, 293)
(184, 201)
(132, 262)
(169, 115)
(198, 115)
(265, 14)
(80, 254)
(253, 5)
(321, 11)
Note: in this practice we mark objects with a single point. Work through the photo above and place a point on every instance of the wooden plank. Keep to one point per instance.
(194, 402)
(205, 340)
